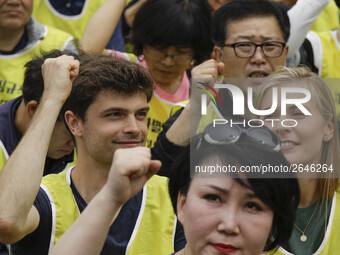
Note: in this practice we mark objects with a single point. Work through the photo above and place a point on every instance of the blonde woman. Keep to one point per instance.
(309, 142)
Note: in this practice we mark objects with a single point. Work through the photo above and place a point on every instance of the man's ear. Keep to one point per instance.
(74, 123)
(286, 50)
(31, 107)
(180, 207)
(217, 54)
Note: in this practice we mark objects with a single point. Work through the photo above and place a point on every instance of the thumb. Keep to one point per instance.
(220, 68)
(154, 166)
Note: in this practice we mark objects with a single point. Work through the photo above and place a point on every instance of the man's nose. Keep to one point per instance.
(131, 125)
(258, 57)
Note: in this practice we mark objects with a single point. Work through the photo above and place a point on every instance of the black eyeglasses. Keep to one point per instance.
(226, 134)
(179, 57)
(271, 49)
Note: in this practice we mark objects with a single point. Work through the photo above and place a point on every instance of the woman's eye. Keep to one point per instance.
(270, 116)
(213, 198)
(253, 206)
(297, 113)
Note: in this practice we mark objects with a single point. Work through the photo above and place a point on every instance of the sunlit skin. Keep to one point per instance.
(220, 216)
(15, 14)
(166, 73)
(301, 144)
(61, 142)
(113, 121)
(257, 30)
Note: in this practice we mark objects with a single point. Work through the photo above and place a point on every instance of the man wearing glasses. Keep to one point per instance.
(250, 42)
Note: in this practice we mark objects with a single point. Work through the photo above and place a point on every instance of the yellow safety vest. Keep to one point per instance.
(330, 67)
(328, 19)
(12, 66)
(158, 114)
(3, 156)
(75, 25)
(155, 226)
(330, 244)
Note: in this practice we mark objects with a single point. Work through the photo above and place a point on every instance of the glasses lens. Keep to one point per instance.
(244, 50)
(272, 49)
(265, 137)
(222, 133)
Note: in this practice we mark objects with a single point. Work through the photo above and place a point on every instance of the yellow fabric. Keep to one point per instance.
(3, 156)
(155, 231)
(12, 66)
(330, 56)
(330, 67)
(332, 245)
(161, 219)
(74, 25)
(158, 114)
(207, 119)
(66, 210)
(328, 19)
(178, 106)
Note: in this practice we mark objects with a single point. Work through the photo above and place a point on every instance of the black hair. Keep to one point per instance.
(282, 195)
(165, 23)
(243, 9)
(33, 85)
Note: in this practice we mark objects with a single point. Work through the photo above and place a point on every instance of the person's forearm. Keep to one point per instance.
(302, 15)
(101, 26)
(87, 234)
(20, 179)
(131, 12)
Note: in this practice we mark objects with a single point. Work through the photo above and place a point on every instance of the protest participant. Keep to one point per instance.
(309, 142)
(167, 37)
(21, 37)
(251, 215)
(16, 116)
(73, 16)
(250, 24)
(104, 113)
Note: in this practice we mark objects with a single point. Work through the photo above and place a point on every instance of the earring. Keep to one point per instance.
(326, 138)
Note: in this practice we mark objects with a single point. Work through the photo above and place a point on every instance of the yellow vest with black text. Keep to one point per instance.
(155, 227)
(75, 25)
(330, 244)
(12, 66)
(330, 67)
(158, 114)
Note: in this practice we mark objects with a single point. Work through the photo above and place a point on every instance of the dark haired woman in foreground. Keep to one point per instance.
(235, 213)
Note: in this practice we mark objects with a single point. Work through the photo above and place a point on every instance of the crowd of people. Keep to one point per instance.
(130, 127)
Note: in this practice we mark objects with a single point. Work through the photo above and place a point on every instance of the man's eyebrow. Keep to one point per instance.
(115, 109)
(125, 110)
(144, 109)
(264, 38)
